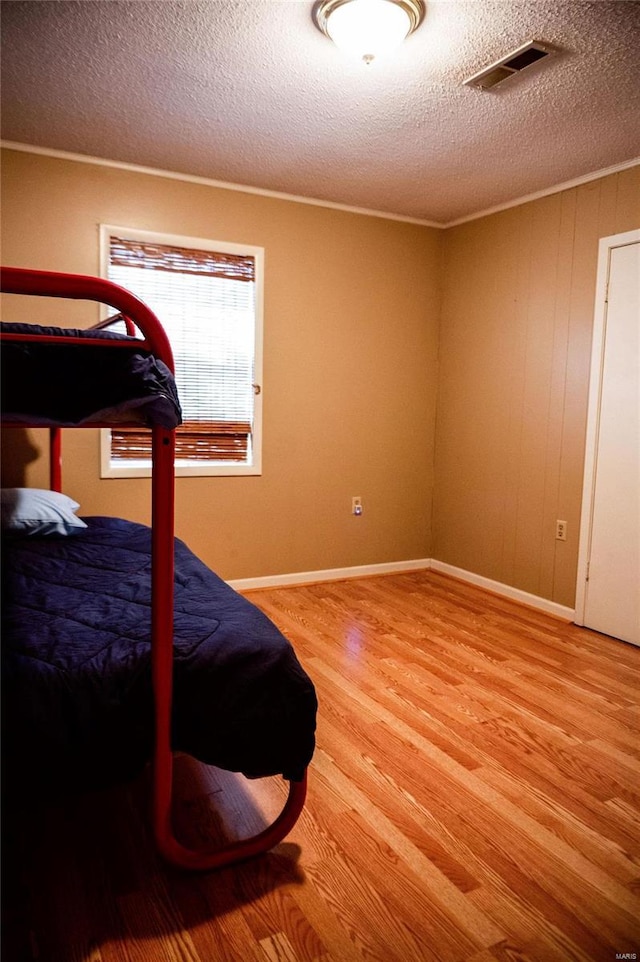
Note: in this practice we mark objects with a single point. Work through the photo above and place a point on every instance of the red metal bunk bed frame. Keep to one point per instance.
(15, 280)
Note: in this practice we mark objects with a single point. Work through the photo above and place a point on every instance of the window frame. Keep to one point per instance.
(200, 468)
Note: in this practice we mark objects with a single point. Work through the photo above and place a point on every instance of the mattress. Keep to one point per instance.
(70, 385)
(76, 665)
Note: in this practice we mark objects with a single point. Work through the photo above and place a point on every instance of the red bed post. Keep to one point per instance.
(162, 523)
(163, 507)
(55, 459)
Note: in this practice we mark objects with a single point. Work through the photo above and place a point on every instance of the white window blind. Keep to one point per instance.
(206, 302)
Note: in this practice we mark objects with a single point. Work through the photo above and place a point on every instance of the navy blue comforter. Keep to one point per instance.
(59, 384)
(76, 677)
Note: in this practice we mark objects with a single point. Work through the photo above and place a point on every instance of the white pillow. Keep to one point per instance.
(38, 511)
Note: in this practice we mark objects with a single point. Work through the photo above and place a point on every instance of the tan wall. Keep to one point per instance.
(515, 342)
(351, 344)
(350, 354)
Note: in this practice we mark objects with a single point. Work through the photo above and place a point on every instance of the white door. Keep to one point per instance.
(608, 595)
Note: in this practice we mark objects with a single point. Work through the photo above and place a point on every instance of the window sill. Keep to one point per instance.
(142, 469)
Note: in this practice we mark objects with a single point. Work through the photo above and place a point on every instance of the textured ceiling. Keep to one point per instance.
(250, 92)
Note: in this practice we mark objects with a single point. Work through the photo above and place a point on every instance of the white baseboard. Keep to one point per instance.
(397, 567)
(515, 594)
(329, 574)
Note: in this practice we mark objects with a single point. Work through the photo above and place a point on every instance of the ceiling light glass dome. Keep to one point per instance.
(368, 29)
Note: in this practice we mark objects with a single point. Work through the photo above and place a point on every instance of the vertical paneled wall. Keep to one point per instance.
(515, 346)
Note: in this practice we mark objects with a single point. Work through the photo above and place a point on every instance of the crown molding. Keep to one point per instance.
(558, 188)
(209, 182)
(311, 201)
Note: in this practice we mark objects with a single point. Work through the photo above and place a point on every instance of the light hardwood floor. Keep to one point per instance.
(474, 797)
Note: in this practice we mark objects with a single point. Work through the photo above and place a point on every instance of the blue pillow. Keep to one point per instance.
(38, 511)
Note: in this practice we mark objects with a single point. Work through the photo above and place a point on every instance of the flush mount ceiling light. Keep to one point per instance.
(368, 28)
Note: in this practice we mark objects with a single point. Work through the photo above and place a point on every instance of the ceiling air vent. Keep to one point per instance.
(514, 62)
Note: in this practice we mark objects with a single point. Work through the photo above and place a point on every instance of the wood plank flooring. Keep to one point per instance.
(474, 797)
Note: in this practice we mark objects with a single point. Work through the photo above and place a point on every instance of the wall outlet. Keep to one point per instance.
(561, 530)
(356, 506)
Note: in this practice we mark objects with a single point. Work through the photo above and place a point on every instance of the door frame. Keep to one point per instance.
(606, 245)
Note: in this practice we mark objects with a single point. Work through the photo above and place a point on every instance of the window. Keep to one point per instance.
(208, 297)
